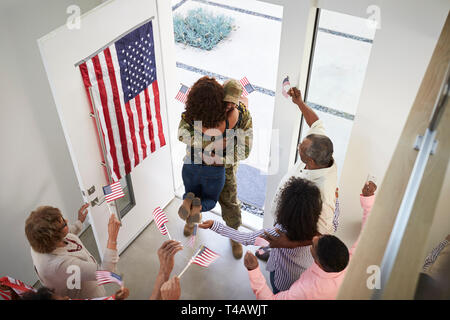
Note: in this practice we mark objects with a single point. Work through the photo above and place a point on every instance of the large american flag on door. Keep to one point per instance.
(125, 93)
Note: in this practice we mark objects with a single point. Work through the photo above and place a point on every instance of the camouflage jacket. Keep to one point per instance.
(239, 140)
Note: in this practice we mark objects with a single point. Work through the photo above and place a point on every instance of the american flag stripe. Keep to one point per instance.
(115, 110)
(131, 126)
(88, 76)
(160, 220)
(104, 118)
(113, 297)
(109, 117)
(163, 229)
(151, 133)
(145, 130)
(104, 277)
(244, 81)
(205, 257)
(115, 96)
(17, 286)
(161, 138)
(182, 96)
(133, 130)
(142, 114)
(138, 155)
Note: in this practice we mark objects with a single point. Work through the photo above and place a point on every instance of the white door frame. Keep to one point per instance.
(294, 58)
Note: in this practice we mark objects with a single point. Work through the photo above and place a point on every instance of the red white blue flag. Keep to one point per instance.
(125, 94)
(104, 277)
(286, 85)
(183, 94)
(205, 257)
(191, 241)
(248, 88)
(113, 191)
(160, 220)
(9, 284)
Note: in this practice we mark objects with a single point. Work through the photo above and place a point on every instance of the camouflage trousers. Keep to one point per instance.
(229, 202)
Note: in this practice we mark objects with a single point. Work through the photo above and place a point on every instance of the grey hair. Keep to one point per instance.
(320, 150)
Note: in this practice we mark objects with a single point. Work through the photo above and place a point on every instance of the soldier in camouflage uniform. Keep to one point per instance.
(240, 146)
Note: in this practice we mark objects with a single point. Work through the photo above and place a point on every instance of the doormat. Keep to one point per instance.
(251, 186)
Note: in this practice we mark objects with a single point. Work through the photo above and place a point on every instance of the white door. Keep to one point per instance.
(152, 179)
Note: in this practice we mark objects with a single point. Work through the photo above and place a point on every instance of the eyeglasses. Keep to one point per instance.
(64, 225)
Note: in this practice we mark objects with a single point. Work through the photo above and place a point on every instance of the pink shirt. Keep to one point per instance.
(314, 283)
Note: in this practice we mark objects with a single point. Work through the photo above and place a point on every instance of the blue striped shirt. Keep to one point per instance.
(288, 264)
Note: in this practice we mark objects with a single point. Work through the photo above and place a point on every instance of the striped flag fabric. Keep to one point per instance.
(125, 95)
(160, 220)
(104, 277)
(183, 93)
(113, 191)
(113, 297)
(17, 286)
(285, 87)
(205, 257)
(248, 88)
(191, 241)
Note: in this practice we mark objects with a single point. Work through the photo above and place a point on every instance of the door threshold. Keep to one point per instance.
(249, 220)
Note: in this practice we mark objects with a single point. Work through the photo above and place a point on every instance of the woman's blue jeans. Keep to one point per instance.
(206, 182)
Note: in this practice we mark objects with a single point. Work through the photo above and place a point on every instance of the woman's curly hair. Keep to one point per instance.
(298, 209)
(205, 103)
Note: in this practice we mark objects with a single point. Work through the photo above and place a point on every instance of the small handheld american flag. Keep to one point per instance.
(286, 86)
(15, 285)
(182, 93)
(203, 257)
(248, 88)
(104, 277)
(191, 241)
(113, 191)
(161, 220)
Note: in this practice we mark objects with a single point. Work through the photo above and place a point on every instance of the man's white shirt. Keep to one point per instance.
(325, 179)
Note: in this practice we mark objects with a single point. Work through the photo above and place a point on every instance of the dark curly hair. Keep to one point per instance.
(332, 253)
(298, 209)
(205, 103)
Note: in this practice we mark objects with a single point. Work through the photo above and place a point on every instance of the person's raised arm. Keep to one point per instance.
(282, 241)
(308, 113)
(166, 258)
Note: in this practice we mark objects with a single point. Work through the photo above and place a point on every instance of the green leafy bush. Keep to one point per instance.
(201, 29)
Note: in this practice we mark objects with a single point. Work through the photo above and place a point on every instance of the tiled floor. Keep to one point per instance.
(225, 279)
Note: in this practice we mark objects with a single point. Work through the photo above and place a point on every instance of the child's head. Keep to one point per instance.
(298, 209)
(233, 91)
(330, 253)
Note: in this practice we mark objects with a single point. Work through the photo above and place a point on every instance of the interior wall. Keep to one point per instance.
(401, 51)
(35, 165)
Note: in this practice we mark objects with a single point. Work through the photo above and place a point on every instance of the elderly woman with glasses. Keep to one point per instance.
(61, 261)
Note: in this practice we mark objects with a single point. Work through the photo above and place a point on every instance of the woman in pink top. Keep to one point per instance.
(322, 280)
